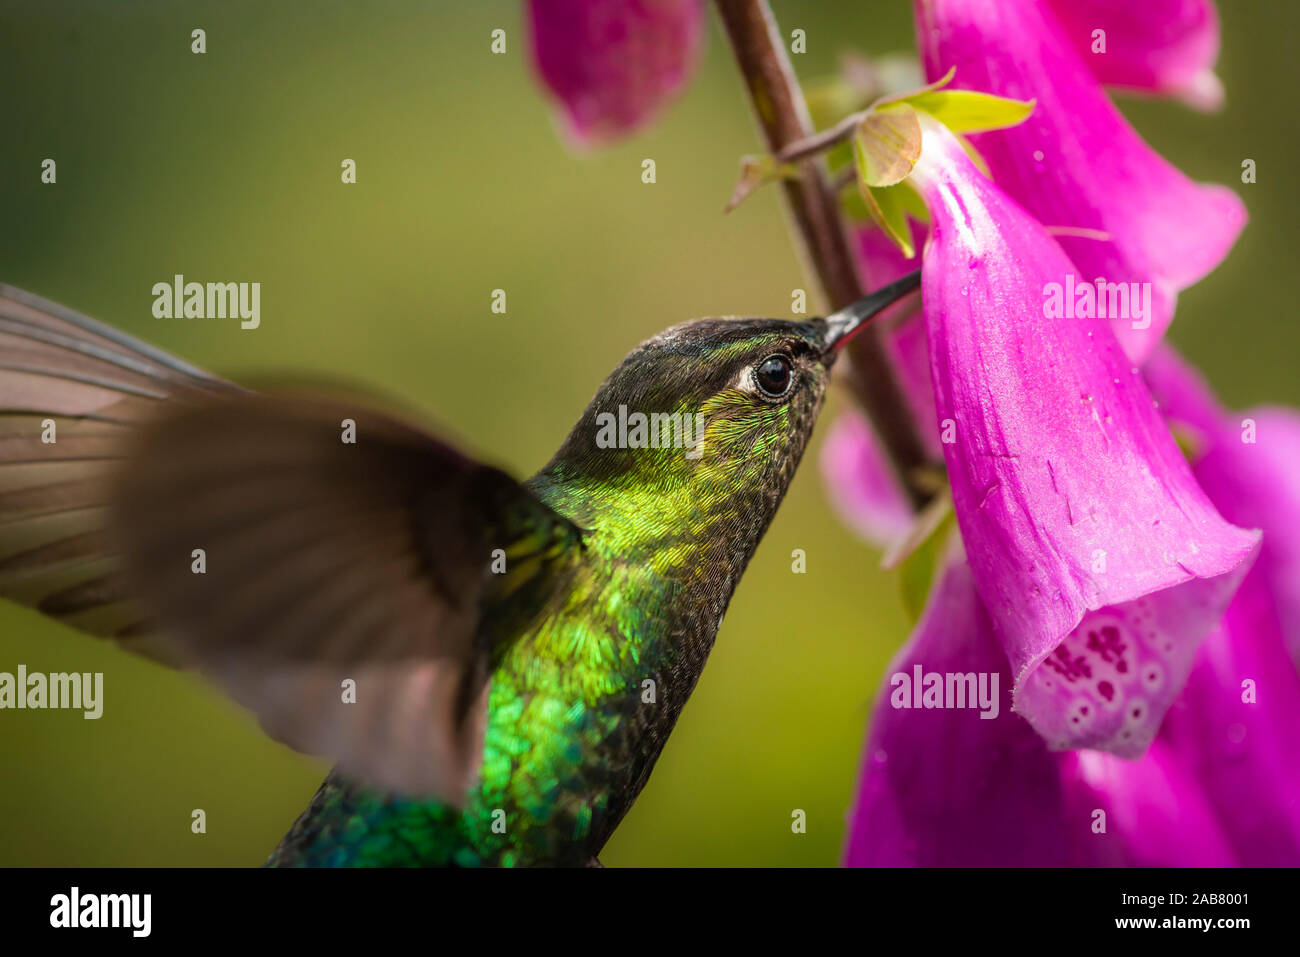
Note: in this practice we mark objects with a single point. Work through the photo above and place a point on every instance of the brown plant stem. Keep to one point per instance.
(782, 113)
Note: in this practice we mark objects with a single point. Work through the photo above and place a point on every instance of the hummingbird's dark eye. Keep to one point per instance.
(773, 376)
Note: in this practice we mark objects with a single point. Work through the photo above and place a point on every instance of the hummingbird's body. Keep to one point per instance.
(496, 666)
(565, 752)
(573, 728)
(566, 749)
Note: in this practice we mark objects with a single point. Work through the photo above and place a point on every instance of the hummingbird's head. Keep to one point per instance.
(696, 435)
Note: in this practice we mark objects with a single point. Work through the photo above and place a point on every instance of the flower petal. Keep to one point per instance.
(1249, 466)
(1239, 717)
(1155, 813)
(1071, 494)
(1236, 727)
(861, 484)
(614, 64)
(946, 787)
(1108, 684)
(1077, 163)
(1166, 47)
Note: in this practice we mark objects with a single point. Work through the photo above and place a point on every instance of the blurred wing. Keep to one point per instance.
(333, 568)
(72, 391)
(346, 592)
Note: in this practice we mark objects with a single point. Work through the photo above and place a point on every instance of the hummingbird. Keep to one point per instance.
(494, 666)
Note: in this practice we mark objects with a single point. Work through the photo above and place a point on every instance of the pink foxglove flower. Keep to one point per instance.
(947, 786)
(1099, 559)
(614, 64)
(1241, 711)
(1249, 465)
(1163, 47)
(965, 782)
(861, 485)
(1077, 163)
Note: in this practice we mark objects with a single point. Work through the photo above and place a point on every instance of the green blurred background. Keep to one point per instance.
(226, 166)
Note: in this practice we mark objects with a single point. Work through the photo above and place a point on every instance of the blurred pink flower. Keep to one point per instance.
(1249, 465)
(1163, 47)
(614, 64)
(861, 485)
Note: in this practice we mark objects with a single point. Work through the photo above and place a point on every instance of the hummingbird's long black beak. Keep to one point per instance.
(841, 326)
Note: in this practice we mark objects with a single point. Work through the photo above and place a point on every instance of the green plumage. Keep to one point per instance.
(581, 705)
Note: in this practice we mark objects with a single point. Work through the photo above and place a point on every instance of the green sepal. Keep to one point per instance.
(938, 84)
(855, 207)
(975, 155)
(886, 145)
(888, 208)
(966, 111)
